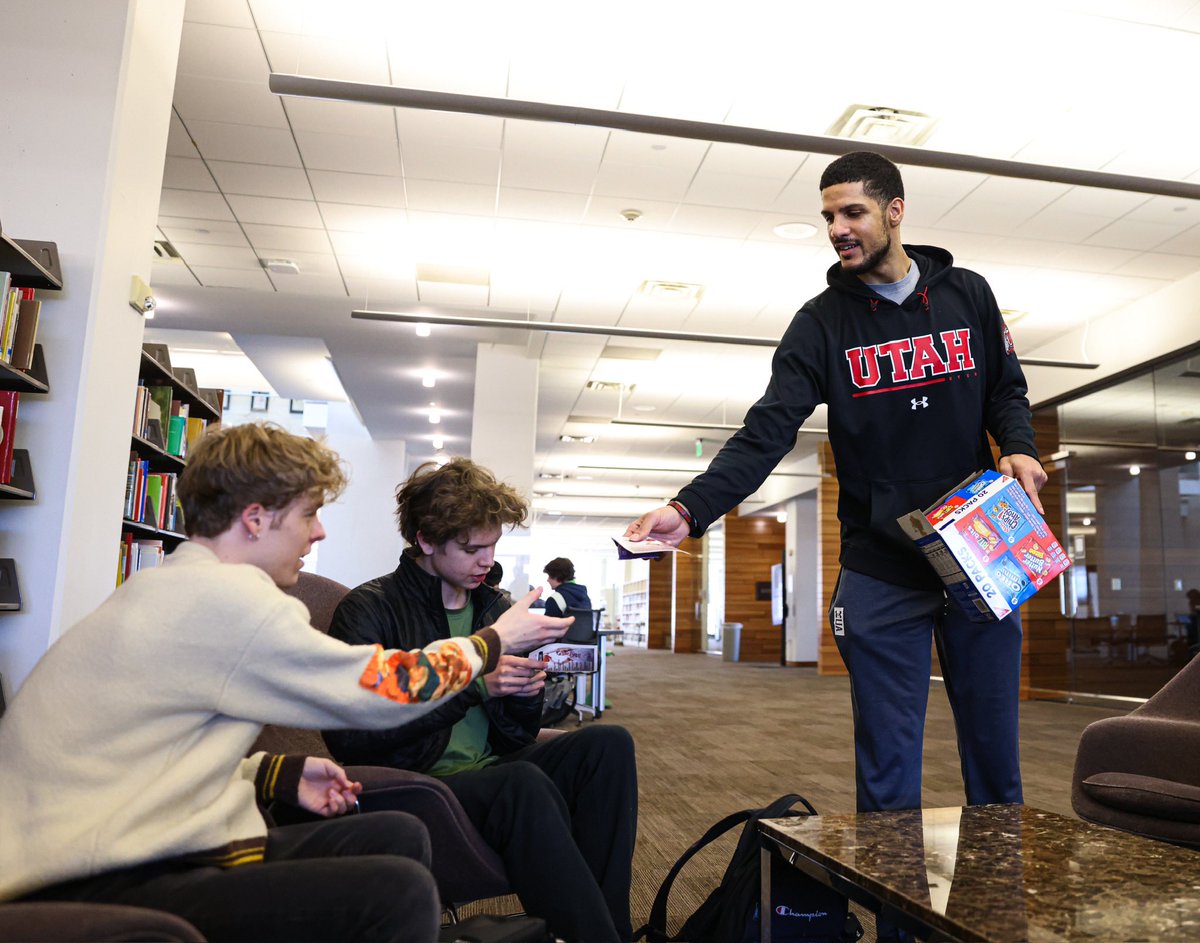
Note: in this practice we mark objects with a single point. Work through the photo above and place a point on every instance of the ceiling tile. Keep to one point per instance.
(195, 204)
(219, 13)
(548, 172)
(753, 161)
(713, 188)
(542, 205)
(343, 217)
(380, 293)
(364, 155)
(544, 138)
(198, 255)
(350, 118)
(289, 183)
(206, 98)
(461, 164)
(310, 263)
(641, 182)
(714, 221)
(170, 273)
(233, 278)
(1061, 225)
(287, 238)
(219, 140)
(202, 231)
(179, 143)
(361, 57)
(310, 284)
(1160, 265)
(446, 197)
(1186, 243)
(444, 293)
(449, 128)
(186, 173)
(368, 189)
(656, 151)
(1131, 234)
(607, 210)
(274, 212)
(222, 52)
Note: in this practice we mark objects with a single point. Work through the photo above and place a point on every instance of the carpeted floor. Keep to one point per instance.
(714, 737)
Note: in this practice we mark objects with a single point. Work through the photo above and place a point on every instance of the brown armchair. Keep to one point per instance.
(464, 865)
(1141, 772)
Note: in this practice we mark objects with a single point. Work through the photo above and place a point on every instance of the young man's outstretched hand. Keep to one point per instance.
(665, 524)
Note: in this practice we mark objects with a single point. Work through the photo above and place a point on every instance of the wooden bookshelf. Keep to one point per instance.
(150, 458)
(31, 264)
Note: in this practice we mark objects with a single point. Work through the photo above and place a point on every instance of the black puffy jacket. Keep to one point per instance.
(404, 610)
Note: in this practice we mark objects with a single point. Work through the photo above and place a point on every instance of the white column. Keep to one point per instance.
(83, 136)
(803, 626)
(504, 424)
(363, 541)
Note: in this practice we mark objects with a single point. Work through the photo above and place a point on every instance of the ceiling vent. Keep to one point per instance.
(280, 266)
(165, 252)
(881, 125)
(609, 385)
(671, 291)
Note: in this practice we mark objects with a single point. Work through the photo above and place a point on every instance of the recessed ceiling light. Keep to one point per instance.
(429, 381)
(1135, 470)
(1190, 455)
(438, 443)
(795, 230)
(435, 417)
(577, 438)
(645, 408)
(422, 330)
(1087, 522)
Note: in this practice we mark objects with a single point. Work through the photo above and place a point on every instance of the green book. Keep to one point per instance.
(176, 435)
(161, 395)
(153, 500)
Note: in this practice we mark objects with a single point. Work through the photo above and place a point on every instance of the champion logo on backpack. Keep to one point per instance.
(803, 910)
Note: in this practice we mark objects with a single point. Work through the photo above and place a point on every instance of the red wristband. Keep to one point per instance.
(682, 512)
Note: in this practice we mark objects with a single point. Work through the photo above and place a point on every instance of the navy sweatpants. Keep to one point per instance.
(883, 632)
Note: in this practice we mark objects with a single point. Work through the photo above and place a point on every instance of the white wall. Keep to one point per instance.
(83, 131)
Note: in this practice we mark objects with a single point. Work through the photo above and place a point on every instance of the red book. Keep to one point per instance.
(9, 401)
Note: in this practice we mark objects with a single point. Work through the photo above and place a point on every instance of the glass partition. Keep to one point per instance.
(1132, 479)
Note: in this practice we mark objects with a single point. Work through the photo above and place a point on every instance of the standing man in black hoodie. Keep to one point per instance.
(917, 366)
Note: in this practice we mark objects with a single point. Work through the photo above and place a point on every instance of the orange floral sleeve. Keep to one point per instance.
(410, 677)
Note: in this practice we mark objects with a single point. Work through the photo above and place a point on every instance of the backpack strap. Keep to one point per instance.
(655, 930)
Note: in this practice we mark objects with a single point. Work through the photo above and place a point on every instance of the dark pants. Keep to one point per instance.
(359, 878)
(562, 814)
(885, 641)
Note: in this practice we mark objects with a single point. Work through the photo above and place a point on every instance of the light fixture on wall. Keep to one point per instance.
(1189, 455)
(1135, 470)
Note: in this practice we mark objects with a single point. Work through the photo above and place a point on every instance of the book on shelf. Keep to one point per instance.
(195, 429)
(26, 334)
(9, 401)
(11, 314)
(177, 436)
(162, 397)
(154, 506)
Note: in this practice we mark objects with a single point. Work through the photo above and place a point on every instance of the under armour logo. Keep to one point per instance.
(923, 402)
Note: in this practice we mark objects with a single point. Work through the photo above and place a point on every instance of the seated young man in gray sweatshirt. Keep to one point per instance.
(125, 778)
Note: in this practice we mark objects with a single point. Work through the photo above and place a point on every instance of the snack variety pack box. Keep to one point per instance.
(566, 657)
(989, 545)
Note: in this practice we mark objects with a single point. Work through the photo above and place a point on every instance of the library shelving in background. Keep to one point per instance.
(146, 524)
(30, 265)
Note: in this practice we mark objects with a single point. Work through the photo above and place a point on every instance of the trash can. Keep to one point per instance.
(731, 640)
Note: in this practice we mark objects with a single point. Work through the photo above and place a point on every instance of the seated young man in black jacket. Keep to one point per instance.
(565, 593)
(562, 814)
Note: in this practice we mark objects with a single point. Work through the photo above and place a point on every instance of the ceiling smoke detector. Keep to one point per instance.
(882, 125)
(280, 266)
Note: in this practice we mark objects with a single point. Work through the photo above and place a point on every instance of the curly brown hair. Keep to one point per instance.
(446, 502)
(257, 463)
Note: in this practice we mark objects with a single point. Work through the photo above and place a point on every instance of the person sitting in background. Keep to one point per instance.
(565, 592)
(562, 812)
(125, 777)
(495, 575)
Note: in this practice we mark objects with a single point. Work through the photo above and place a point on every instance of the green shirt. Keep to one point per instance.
(468, 747)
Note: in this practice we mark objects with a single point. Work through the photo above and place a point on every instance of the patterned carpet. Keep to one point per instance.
(714, 737)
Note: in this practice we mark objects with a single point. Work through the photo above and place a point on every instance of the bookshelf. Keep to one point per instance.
(635, 612)
(31, 266)
(170, 413)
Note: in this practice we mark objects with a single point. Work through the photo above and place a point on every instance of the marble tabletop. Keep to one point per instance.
(1007, 873)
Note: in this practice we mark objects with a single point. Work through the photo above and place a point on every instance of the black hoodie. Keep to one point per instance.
(912, 390)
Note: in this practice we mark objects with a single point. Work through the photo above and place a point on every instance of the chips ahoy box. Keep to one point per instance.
(988, 543)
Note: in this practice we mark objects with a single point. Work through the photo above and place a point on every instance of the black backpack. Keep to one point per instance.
(803, 909)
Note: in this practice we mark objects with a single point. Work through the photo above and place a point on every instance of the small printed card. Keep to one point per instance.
(566, 658)
(648, 549)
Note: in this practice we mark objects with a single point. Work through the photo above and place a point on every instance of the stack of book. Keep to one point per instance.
(137, 555)
(19, 312)
(150, 496)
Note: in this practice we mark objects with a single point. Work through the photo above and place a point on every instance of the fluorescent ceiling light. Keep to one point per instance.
(429, 381)
(671, 291)
(306, 86)
(423, 330)
(720, 426)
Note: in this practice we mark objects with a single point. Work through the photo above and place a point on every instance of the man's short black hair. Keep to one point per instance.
(878, 175)
(561, 569)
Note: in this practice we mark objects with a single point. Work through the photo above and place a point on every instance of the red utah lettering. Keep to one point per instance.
(864, 367)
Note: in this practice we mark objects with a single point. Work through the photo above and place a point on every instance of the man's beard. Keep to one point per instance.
(871, 260)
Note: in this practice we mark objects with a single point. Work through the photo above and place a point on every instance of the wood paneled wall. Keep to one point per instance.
(752, 546)
(658, 623)
(689, 582)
